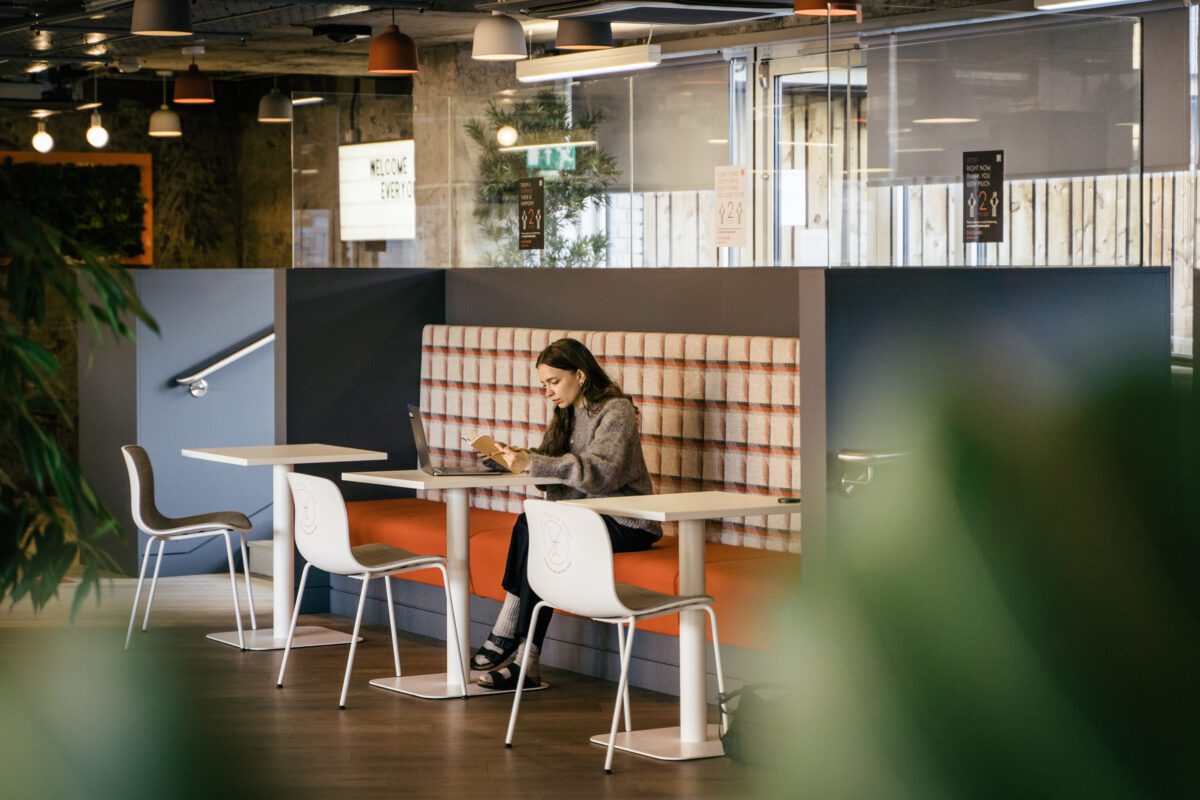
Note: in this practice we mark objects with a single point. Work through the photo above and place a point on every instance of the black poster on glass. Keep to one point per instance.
(531, 202)
(983, 197)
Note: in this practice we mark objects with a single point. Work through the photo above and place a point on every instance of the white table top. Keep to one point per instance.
(284, 454)
(688, 505)
(416, 479)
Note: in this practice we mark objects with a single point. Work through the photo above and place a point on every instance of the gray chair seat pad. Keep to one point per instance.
(648, 601)
(216, 521)
(379, 557)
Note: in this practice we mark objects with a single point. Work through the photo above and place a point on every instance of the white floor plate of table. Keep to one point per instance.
(665, 744)
(436, 687)
(269, 639)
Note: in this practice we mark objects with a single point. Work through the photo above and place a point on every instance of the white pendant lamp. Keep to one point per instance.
(275, 106)
(499, 38)
(42, 141)
(164, 123)
(96, 134)
(162, 18)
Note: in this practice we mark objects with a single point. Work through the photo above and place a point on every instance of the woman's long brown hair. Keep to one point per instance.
(571, 355)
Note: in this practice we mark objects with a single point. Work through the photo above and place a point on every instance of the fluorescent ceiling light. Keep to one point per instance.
(597, 62)
(551, 146)
(944, 120)
(919, 150)
(307, 101)
(1065, 5)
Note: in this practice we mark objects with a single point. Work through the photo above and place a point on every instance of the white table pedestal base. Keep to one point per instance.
(273, 639)
(438, 687)
(665, 744)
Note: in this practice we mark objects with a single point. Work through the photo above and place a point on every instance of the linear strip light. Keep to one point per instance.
(597, 62)
(1065, 5)
(551, 146)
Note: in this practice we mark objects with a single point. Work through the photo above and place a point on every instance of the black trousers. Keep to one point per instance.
(516, 580)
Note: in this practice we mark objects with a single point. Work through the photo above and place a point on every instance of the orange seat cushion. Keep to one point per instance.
(745, 583)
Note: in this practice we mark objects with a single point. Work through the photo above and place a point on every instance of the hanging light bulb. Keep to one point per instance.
(507, 136)
(43, 142)
(393, 53)
(164, 123)
(96, 135)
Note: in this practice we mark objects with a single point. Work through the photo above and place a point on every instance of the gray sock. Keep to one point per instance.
(506, 622)
(533, 672)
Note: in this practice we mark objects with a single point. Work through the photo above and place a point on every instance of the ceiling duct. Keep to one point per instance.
(648, 12)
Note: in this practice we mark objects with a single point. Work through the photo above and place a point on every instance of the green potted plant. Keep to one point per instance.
(49, 516)
(577, 179)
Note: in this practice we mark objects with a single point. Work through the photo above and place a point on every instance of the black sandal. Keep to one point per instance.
(488, 659)
(506, 679)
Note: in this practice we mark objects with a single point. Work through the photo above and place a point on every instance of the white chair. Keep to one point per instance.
(162, 529)
(323, 538)
(571, 569)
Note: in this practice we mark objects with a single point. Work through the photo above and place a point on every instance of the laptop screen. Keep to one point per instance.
(418, 429)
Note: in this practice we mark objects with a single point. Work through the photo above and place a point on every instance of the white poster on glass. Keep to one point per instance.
(733, 207)
(377, 189)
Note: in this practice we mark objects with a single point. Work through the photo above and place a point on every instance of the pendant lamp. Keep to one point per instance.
(275, 106)
(393, 53)
(583, 34)
(42, 141)
(162, 18)
(194, 87)
(164, 123)
(97, 135)
(820, 8)
(499, 38)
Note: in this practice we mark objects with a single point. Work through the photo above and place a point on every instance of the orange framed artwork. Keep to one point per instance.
(142, 161)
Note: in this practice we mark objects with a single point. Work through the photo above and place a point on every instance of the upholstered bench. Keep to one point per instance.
(745, 583)
(716, 413)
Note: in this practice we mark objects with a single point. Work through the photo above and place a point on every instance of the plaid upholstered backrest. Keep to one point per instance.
(717, 412)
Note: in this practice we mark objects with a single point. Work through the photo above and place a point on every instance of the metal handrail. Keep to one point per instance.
(196, 383)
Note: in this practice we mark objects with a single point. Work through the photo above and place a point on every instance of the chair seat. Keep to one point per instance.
(647, 601)
(199, 523)
(380, 557)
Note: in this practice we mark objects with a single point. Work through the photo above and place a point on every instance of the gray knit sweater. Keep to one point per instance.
(604, 460)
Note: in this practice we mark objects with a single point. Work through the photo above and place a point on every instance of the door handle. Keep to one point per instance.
(858, 466)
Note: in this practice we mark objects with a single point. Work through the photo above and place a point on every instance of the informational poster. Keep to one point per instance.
(531, 203)
(733, 207)
(377, 191)
(983, 197)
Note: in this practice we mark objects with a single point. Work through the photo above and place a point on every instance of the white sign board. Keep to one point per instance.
(377, 184)
(733, 207)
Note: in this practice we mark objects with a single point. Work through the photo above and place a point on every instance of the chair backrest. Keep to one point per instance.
(141, 490)
(571, 560)
(322, 531)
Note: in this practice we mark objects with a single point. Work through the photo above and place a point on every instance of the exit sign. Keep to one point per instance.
(545, 159)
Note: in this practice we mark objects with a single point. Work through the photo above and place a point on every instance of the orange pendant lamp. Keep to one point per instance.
(194, 87)
(393, 53)
(821, 8)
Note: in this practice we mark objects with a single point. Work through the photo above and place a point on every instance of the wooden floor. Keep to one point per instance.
(208, 721)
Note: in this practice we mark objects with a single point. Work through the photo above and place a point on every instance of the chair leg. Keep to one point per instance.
(387, 585)
(137, 595)
(462, 664)
(153, 582)
(249, 588)
(622, 688)
(362, 601)
(621, 655)
(287, 648)
(237, 606)
(512, 719)
(712, 618)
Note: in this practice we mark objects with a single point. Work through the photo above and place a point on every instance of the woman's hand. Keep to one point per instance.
(517, 459)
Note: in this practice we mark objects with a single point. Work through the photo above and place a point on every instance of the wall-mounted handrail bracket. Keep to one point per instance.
(195, 381)
(858, 468)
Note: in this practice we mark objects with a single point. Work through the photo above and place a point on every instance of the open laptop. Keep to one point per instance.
(445, 470)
